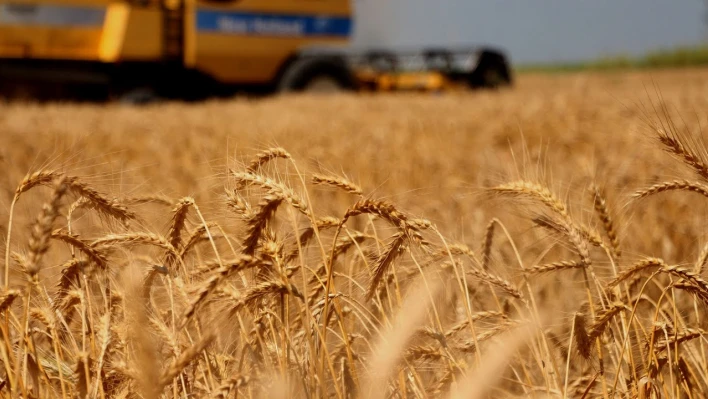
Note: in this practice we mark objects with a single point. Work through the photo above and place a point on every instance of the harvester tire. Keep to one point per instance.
(316, 74)
(492, 72)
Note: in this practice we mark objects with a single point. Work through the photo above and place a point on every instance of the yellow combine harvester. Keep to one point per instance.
(197, 48)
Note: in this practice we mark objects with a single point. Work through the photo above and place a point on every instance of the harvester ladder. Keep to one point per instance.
(173, 30)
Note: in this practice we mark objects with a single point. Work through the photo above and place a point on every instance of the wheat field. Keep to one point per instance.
(546, 241)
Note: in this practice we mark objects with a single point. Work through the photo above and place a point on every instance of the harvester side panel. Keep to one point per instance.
(249, 41)
(79, 30)
(131, 34)
(57, 30)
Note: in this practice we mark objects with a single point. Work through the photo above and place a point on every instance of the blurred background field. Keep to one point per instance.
(429, 154)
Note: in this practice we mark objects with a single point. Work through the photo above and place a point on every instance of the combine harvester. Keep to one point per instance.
(138, 50)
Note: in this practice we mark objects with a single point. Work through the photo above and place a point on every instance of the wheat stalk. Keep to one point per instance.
(309, 233)
(257, 292)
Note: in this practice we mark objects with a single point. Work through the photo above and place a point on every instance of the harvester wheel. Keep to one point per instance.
(492, 72)
(316, 75)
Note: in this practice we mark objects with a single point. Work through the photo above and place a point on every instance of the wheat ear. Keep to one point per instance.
(603, 213)
(174, 235)
(383, 209)
(603, 319)
(680, 337)
(687, 152)
(183, 360)
(338, 182)
(702, 260)
(497, 281)
(259, 221)
(30, 181)
(470, 345)
(98, 201)
(42, 228)
(6, 299)
(134, 239)
(223, 273)
(92, 253)
(195, 238)
(582, 337)
(267, 156)
(535, 191)
(228, 385)
(642, 265)
(487, 243)
(555, 266)
(394, 249)
(274, 189)
(683, 185)
(149, 199)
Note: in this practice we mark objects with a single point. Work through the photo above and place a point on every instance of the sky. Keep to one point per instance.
(534, 31)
